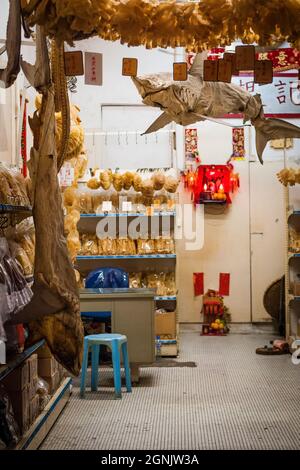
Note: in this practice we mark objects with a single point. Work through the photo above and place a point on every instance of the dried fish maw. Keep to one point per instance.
(13, 44)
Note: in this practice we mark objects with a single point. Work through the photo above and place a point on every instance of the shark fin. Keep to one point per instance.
(197, 68)
(269, 129)
(160, 122)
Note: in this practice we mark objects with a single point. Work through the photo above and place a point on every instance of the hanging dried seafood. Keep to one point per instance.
(195, 25)
(54, 311)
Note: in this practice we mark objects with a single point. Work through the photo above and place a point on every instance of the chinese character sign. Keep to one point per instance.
(282, 97)
(191, 145)
(93, 68)
(238, 144)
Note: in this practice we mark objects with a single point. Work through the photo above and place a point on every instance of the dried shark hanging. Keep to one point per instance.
(198, 100)
(54, 311)
(13, 45)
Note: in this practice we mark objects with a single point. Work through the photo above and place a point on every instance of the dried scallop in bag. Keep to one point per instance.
(128, 180)
(105, 179)
(93, 183)
(117, 181)
(171, 184)
(135, 280)
(71, 220)
(109, 246)
(70, 196)
(147, 188)
(137, 182)
(170, 284)
(85, 202)
(73, 244)
(158, 179)
(145, 247)
(89, 245)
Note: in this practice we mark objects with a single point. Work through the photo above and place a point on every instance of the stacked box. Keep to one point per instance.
(33, 367)
(50, 371)
(44, 352)
(34, 407)
(17, 386)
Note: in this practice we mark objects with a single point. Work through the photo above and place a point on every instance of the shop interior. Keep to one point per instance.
(149, 229)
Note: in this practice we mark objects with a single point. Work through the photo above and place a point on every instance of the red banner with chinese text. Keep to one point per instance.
(224, 284)
(283, 59)
(198, 279)
(24, 140)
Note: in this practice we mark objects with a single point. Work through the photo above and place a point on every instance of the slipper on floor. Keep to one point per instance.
(270, 351)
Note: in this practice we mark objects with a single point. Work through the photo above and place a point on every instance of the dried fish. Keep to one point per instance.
(195, 100)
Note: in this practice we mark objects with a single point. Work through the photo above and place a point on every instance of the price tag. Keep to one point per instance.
(232, 58)
(263, 71)
(73, 63)
(210, 71)
(129, 67)
(126, 206)
(224, 71)
(245, 57)
(106, 206)
(180, 71)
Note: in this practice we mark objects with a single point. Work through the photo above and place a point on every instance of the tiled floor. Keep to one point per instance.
(233, 399)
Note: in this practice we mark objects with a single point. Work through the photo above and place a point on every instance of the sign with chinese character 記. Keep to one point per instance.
(281, 98)
(93, 68)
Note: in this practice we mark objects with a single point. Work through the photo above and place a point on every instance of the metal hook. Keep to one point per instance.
(126, 138)
(156, 138)
(136, 138)
(119, 140)
(146, 140)
(105, 139)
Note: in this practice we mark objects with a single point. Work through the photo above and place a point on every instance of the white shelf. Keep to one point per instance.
(166, 256)
(166, 297)
(129, 214)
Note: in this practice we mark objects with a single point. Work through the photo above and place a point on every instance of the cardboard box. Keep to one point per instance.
(18, 379)
(44, 352)
(34, 407)
(296, 288)
(33, 367)
(165, 324)
(47, 367)
(169, 350)
(32, 387)
(20, 403)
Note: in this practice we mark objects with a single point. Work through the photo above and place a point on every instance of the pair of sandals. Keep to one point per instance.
(272, 350)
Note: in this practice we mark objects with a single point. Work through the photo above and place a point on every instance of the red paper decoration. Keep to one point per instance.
(198, 279)
(224, 284)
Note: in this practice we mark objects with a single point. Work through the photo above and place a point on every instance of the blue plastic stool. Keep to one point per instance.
(115, 342)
